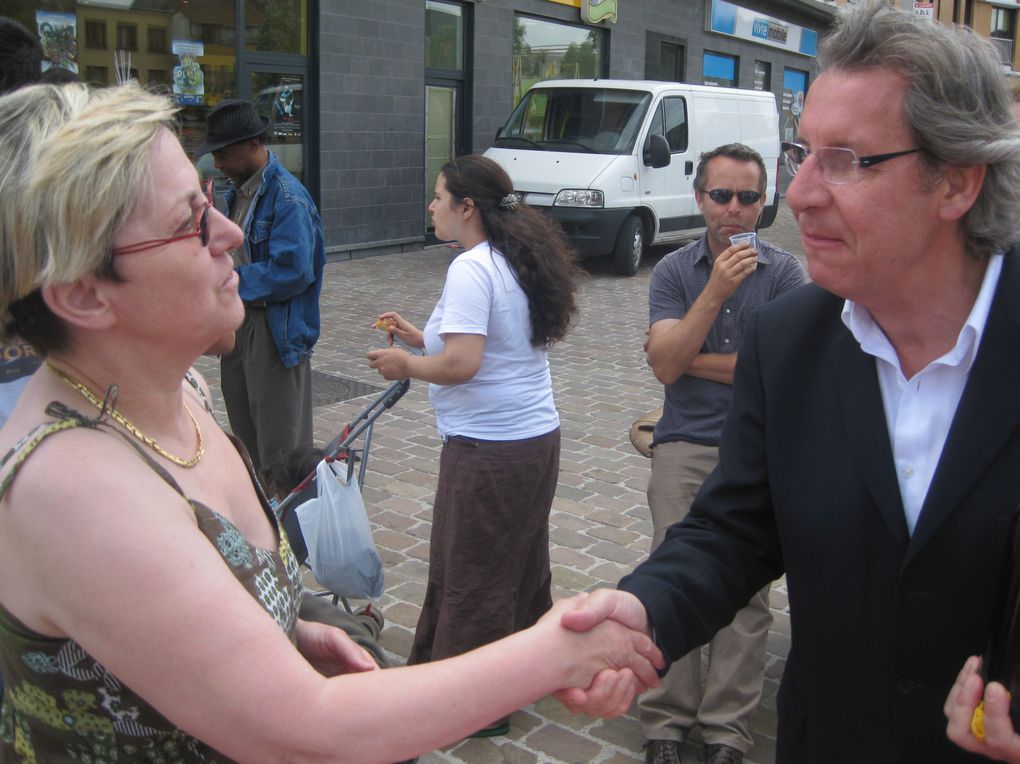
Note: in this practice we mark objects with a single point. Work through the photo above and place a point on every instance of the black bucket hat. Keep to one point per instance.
(231, 121)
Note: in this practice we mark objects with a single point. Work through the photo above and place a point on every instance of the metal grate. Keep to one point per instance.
(332, 388)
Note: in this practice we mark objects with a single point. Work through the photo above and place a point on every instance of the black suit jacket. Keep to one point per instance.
(881, 621)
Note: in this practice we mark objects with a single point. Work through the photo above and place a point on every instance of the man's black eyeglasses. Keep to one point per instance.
(723, 196)
(838, 165)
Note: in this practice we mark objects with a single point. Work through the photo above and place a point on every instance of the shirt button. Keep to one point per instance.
(908, 472)
(726, 342)
(727, 310)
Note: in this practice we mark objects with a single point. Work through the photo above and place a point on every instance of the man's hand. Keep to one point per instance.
(330, 651)
(611, 691)
(1001, 742)
(729, 270)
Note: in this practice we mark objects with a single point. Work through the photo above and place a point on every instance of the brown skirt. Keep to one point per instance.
(489, 550)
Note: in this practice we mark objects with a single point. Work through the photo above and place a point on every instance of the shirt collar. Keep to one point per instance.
(873, 341)
(250, 186)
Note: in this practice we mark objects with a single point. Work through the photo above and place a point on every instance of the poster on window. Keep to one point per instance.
(188, 79)
(58, 33)
(794, 88)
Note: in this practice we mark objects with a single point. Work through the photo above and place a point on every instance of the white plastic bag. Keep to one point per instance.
(335, 527)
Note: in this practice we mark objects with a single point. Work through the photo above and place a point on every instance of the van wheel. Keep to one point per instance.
(630, 246)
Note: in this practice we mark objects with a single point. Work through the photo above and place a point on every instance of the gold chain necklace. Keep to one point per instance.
(127, 425)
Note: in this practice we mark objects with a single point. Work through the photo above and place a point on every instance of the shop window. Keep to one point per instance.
(1003, 29)
(157, 39)
(795, 84)
(762, 75)
(277, 26)
(444, 36)
(127, 37)
(95, 34)
(719, 69)
(545, 50)
(97, 75)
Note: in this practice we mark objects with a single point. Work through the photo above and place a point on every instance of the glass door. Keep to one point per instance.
(279, 97)
(441, 104)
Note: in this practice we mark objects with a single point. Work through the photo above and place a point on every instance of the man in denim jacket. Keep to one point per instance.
(266, 378)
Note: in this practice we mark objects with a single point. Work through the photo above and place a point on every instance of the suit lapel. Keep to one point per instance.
(860, 401)
(988, 414)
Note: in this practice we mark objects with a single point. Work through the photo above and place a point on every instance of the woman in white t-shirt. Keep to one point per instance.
(506, 299)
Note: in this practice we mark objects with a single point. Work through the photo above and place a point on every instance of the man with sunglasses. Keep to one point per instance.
(872, 450)
(266, 378)
(700, 299)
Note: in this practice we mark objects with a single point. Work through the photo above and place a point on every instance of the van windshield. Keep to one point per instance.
(584, 120)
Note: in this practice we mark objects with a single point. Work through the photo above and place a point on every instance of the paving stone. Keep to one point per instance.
(564, 745)
(616, 535)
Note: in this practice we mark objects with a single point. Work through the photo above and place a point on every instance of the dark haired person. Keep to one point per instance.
(266, 379)
(506, 299)
(700, 299)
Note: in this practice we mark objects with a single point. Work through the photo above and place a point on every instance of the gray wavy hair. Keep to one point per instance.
(957, 106)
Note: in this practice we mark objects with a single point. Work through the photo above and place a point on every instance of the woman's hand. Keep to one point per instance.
(1001, 742)
(403, 329)
(330, 651)
(391, 363)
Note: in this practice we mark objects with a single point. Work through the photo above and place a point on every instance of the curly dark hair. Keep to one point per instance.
(532, 243)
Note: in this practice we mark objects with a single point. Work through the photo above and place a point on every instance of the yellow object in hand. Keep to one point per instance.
(977, 722)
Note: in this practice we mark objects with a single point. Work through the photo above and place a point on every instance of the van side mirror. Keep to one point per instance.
(656, 151)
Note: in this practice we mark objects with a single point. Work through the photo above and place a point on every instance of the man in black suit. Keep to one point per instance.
(872, 449)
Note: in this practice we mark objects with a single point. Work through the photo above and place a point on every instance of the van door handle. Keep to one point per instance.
(688, 168)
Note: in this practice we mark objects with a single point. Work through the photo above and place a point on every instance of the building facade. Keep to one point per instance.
(367, 98)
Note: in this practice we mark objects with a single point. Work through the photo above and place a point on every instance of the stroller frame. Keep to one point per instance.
(340, 448)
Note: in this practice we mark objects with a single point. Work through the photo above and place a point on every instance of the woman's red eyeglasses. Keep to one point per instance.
(201, 230)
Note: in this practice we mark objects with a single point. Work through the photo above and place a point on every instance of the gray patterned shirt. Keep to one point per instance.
(695, 408)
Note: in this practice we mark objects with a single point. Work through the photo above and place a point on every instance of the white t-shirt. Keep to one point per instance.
(510, 398)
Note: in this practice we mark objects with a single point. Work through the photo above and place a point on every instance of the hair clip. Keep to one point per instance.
(509, 202)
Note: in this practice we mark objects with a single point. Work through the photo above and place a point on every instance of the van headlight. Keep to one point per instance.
(579, 197)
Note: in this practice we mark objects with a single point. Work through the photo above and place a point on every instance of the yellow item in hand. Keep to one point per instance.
(977, 722)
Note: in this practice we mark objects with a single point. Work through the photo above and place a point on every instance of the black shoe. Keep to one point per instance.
(722, 754)
(496, 729)
(662, 752)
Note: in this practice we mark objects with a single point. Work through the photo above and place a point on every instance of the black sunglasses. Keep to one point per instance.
(723, 196)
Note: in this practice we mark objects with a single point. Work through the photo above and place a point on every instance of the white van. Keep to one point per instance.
(613, 160)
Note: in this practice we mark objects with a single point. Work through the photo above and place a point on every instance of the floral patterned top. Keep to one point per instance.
(61, 705)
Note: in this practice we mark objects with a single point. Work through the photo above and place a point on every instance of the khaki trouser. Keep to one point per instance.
(736, 655)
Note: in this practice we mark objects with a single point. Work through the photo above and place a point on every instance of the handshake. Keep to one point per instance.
(601, 644)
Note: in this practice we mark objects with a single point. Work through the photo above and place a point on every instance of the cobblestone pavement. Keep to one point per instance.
(600, 525)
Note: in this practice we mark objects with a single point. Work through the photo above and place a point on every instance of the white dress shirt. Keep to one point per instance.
(919, 411)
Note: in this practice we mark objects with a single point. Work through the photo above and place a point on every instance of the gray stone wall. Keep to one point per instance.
(372, 116)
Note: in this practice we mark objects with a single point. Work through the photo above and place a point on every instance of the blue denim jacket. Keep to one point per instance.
(283, 238)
